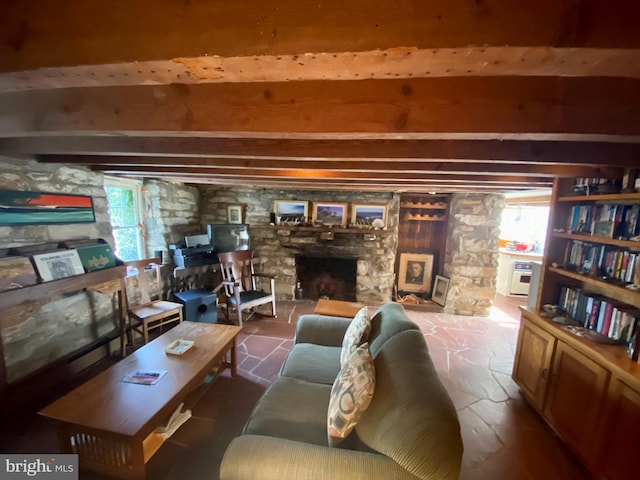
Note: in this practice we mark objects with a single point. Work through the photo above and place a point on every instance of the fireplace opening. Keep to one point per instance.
(326, 277)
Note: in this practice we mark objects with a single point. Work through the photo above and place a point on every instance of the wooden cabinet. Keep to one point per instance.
(533, 365)
(622, 424)
(577, 391)
(578, 373)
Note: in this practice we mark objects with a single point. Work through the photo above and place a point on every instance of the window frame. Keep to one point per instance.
(136, 187)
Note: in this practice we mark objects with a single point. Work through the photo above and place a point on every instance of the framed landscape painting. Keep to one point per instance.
(369, 215)
(291, 212)
(330, 213)
(39, 208)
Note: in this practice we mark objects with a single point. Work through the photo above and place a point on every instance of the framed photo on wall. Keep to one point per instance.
(330, 213)
(234, 214)
(369, 215)
(440, 290)
(416, 272)
(291, 212)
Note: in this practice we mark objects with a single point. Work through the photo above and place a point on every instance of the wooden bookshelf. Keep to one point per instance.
(588, 392)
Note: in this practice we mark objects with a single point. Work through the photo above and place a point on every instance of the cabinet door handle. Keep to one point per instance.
(545, 373)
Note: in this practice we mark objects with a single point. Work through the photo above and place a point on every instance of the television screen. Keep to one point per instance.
(228, 237)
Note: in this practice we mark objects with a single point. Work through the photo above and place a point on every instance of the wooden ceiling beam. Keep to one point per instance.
(101, 162)
(40, 33)
(328, 183)
(331, 175)
(376, 64)
(513, 152)
(380, 186)
(487, 105)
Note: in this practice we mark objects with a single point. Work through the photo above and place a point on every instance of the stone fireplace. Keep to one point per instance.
(470, 258)
(326, 277)
(299, 254)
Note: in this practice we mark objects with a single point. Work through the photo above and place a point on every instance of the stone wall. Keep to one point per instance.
(279, 246)
(171, 212)
(471, 259)
(73, 322)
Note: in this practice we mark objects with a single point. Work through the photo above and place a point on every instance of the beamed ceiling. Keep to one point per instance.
(385, 95)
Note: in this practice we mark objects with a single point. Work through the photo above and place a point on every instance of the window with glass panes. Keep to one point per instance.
(124, 214)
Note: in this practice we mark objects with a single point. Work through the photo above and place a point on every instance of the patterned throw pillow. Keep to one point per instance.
(356, 334)
(351, 394)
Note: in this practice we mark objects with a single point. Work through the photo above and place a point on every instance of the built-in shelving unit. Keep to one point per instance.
(584, 383)
(422, 230)
(425, 208)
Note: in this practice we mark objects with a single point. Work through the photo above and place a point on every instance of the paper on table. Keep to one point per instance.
(144, 377)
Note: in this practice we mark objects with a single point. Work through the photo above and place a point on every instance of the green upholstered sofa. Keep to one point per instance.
(409, 431)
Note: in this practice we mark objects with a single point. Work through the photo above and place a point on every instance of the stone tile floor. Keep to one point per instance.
(504, 438)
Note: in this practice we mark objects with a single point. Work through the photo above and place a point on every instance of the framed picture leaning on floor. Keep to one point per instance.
(415, 273)
(440, 290)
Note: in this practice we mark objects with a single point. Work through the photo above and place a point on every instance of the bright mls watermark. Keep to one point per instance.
(50, 466)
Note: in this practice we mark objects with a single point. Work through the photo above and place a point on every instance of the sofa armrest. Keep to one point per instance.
(321, 330)
(256, 457)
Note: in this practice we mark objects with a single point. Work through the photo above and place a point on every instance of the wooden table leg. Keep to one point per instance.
(234, 369)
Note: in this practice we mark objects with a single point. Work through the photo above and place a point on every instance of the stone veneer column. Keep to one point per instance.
(471, 259)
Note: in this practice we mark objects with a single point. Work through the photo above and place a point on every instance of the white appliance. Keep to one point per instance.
(520, 278)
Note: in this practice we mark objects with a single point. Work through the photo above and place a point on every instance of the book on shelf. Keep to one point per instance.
(611, 220)
(16, 272)
(607, 317)
(607, 261)
(144, 377)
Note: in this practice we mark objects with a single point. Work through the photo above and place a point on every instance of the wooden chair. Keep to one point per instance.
(149, 314)
(241, 283)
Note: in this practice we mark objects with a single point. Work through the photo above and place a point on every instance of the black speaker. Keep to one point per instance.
(199, 305)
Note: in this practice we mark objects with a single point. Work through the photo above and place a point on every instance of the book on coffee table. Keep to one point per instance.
(144, 377)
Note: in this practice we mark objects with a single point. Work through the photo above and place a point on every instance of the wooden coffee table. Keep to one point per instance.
(110, 424)
(337, 308)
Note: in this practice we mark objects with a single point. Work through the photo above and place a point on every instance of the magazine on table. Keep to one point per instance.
(144, 377)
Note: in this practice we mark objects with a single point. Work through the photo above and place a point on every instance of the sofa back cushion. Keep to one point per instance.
(411, 418)
(388, 320)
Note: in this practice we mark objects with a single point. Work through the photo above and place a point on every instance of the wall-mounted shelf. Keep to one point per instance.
(425, 208)
(425, 217)
(440, 205)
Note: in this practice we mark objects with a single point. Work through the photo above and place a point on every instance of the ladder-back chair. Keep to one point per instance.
(243, 285)
(148, 314)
